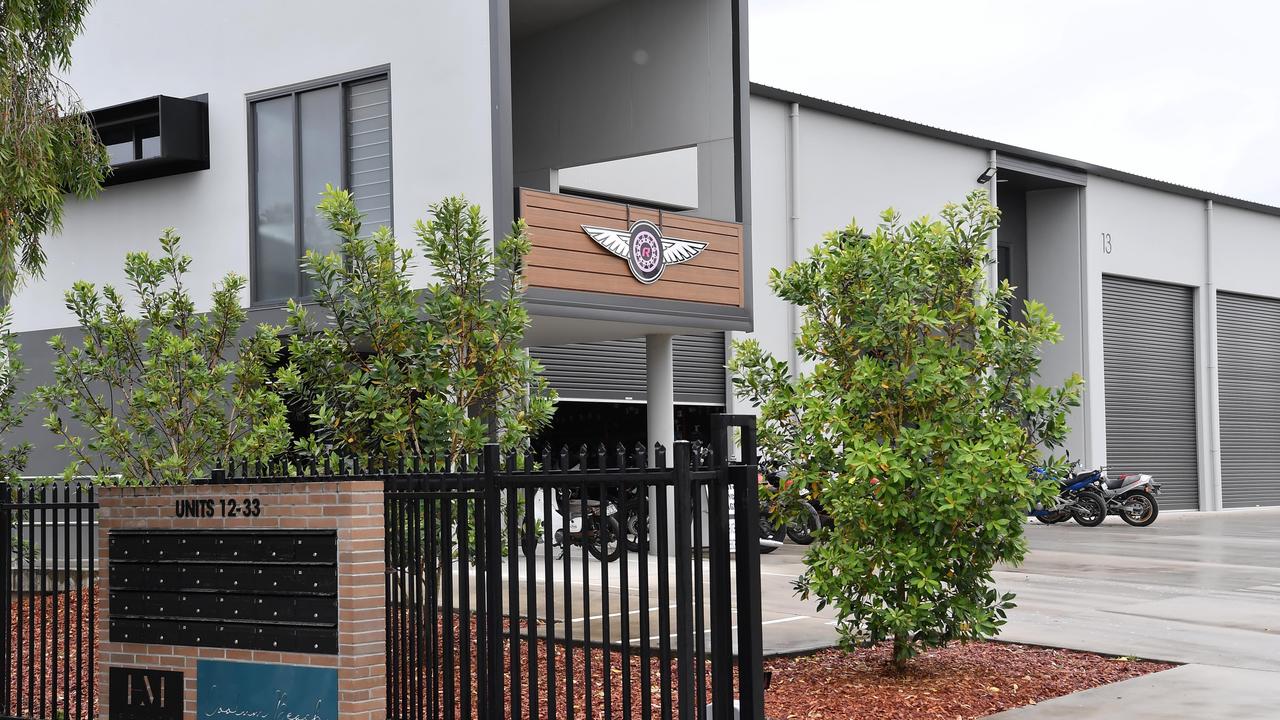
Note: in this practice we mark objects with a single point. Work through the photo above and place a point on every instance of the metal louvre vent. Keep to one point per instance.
(1249, 399)
(369, 149)
(1149, 355)
(614, 370)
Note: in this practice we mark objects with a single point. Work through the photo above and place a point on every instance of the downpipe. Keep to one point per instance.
(793, 230)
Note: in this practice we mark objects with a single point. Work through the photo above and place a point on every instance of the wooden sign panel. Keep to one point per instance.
(702, 261)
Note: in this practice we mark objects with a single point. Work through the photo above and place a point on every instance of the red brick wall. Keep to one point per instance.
(352, 508)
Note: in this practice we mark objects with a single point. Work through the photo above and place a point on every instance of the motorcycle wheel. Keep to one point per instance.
(1052, 518)
(606, 546)
(1090, 509)
(1139, 509)
(801, 530)
(769, 532)
(527, 536)
(635, 528)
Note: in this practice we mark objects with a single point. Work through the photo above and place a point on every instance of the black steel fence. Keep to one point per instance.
(47, 543)
(557, 584)
(576, 585)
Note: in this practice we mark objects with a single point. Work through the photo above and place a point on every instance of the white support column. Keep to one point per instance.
(1211, 469)
(661, 416)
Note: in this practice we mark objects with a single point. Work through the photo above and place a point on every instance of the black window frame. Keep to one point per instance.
(295, 90)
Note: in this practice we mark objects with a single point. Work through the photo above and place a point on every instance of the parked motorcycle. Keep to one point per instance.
(808, 519)
(1077, 498)
(588, 523)
(771, 533)
(1132, 497)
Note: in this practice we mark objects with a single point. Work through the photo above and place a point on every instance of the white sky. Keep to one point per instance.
(1187, 92)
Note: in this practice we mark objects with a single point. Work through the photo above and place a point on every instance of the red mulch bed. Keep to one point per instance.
(47, 674)
(960, 682)
(965, 681)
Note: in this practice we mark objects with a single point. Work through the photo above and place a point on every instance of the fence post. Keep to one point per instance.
(684, 579)
(747, 509)
(491, 573)
(720, 579)
(6, 594)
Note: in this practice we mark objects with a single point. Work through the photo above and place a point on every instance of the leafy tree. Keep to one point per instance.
(917, 426)
(46, 146)
(391, 371)
(13, 407)
(161, 394)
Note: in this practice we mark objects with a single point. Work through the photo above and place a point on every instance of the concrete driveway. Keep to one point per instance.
(1201, 589)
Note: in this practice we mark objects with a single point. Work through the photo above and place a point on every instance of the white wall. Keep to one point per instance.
(846, 169)
(768, 226)
(1246, 251)
(850, 169)
(1153, 235)
(439, 58)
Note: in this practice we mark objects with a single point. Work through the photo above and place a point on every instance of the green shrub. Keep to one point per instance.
(160, 395)
(917, 425)
(392, 372)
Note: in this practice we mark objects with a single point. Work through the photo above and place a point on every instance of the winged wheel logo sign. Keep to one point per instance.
(644, 248)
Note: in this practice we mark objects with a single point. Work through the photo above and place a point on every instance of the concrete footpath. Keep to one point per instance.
(1201, 589)
(1195, 588)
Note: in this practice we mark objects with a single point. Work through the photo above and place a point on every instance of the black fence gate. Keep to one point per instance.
(47, 606)
(576, 585)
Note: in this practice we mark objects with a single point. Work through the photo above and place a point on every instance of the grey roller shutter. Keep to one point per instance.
(615, 369)
(1249, 399)
(1149, 355)
(369, 149)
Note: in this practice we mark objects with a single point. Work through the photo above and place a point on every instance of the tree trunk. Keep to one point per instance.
(900, 644)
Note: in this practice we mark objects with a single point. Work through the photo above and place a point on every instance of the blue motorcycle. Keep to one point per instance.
(1078, 498)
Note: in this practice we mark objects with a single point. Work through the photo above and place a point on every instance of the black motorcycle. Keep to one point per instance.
(588, 521)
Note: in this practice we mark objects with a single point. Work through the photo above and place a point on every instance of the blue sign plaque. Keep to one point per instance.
(259, 691)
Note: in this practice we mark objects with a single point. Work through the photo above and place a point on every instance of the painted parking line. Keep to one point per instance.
(775, 621)
(618, 614)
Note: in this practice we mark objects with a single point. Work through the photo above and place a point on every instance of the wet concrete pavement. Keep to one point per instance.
(1201, 589)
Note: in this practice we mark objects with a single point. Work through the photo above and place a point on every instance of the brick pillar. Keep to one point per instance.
(351, 510)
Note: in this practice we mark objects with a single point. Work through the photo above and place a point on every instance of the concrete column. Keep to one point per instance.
(661, 411)
(661, 418)
(1211, 456)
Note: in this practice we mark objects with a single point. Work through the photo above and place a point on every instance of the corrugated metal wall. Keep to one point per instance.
(1149, 356)
(1249, 399)
(615, 369)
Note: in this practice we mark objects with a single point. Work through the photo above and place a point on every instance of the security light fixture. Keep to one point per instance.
(986, 176)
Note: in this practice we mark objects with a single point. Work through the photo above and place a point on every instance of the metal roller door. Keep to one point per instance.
(1249, 399)
(1149, 355)
(614, 370)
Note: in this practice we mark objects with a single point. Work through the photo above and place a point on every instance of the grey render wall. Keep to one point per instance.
(1013, 236)
(439, 59)
(1054, 278)
(636, 77)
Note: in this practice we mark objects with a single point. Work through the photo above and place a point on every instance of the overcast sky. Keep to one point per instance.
(1187, 92)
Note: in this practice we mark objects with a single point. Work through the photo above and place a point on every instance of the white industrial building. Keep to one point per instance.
(1167, 296)
(226, 119)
